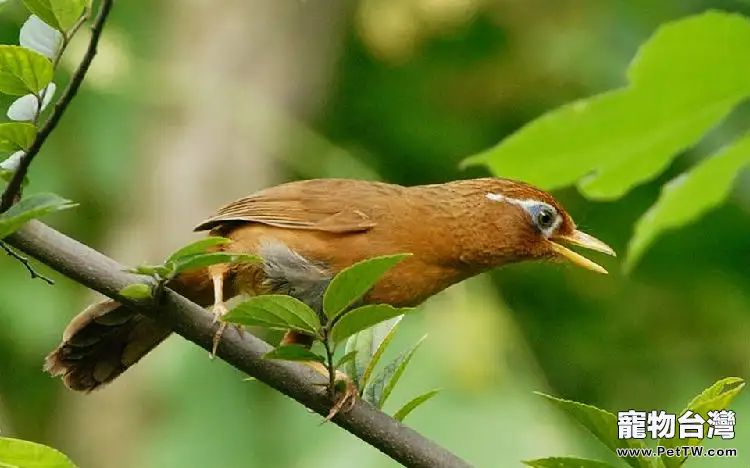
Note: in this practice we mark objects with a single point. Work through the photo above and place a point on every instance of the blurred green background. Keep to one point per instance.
(191, 104)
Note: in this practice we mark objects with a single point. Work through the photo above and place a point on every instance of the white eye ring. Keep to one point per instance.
(535, 209)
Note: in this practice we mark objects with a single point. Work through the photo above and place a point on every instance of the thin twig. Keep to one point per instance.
(15, 185)
(245, 352)
(25, 262)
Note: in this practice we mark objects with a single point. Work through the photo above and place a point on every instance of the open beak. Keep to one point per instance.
(583, 240)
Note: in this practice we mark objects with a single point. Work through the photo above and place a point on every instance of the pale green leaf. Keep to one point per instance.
(689, 196)
(368, 346)
(293, 353)
(199, 246)
(413, 404)
(348, 357)
(23, 71)
(716, 397)
(603, 425)
(35, 206)
(203, 260)
(349, 285)
(362, 318)
(684, 80)
(60, 14)
(25, 454)
(378, 391)
(275, 311)
(16, 136)
(136, 291)
(566, 462)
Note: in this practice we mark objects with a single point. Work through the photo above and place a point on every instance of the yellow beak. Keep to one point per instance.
(584, 240)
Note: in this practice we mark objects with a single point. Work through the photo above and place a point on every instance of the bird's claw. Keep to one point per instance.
(347, 395)
(219, 311)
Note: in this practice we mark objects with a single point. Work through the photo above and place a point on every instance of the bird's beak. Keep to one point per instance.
(584, 240)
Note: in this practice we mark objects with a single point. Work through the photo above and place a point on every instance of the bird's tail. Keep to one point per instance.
(107, 338)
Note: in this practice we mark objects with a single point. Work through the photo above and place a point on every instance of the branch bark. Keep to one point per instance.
(97, 271)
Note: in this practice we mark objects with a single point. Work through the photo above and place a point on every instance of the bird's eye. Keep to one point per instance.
(545, 218)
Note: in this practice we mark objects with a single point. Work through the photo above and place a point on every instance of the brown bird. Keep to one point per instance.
(307, 231)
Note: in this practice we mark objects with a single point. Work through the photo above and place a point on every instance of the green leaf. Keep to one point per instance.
(352, 283)
(60, 14)
(368, 346)
(566, 462)
(348, 357)
(378, 391)
(362, 318)
(413, 404)
(683, 81)
(16, 136)
(689, 196)
(275, 311)
(136, 291)
(198, 247)
(293, 353)
(203, 260)
(716, 397)
(35, 206)
(155, 271)
(8, 175)
(603, 425)
(23, 71)
(25, 454)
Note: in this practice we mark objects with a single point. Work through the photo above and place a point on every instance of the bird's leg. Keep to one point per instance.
(349, 392)
(219, 309)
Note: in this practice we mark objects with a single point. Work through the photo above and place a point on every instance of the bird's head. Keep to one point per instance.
(521, 222)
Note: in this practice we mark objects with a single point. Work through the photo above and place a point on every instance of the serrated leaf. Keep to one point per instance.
(349, 285)
(566, 462)
(198, 247)
(413, 404)
(716, 397)
(363, 318)
(689, 196)
(16, 136)
(368, 346)
(684, 80)
(25, 454)
(275, 311)
(603, 425)
(378, 391)
(203, 260)
(29, 208)
(60, 14)
(23, 71)
(293, 353)
(136, 291)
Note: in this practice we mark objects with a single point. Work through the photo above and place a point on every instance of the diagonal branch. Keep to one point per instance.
(95, 270)
(13, 190)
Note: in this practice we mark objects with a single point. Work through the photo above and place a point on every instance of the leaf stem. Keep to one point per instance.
(331, 367)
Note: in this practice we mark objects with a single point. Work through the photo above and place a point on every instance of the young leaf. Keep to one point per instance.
(346, 359)
(603, 425)
(378, 391)
(293, 353)
(352, 283)
(362, 318)
(16, 136)
(689, 196)
(275, 311)
(23, 71)
(203, 260)
(368, 346)
(40, 37)
(29, 208)
(136, 291)
(60, 14)
(413, 404)
(156, 271)
(566, 462)
(716, 397)
(16, 453)
(198, 247)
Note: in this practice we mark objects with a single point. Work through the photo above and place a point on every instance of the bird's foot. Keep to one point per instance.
(346, 395)
(219, 310)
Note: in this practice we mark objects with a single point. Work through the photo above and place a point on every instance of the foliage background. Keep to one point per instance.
(191, 104)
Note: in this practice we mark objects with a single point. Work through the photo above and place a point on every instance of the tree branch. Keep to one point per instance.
(244, 352)
(13, 190)
(25, 262)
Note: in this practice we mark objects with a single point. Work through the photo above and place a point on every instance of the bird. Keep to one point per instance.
(307, 231)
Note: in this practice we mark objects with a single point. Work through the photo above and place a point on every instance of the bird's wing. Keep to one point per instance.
(320, 205)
